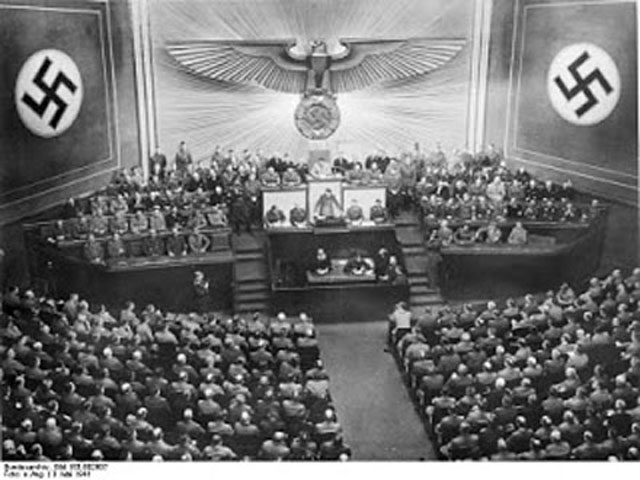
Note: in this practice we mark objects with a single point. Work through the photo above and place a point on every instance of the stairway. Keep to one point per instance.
(251, 286)
(410, 237)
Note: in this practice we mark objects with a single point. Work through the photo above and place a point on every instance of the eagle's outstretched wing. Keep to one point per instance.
(367, 62)
(265, 63)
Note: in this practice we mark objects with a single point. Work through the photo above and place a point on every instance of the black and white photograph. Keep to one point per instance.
(363, 233)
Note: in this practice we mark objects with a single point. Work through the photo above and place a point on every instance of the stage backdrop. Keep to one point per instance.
(563, 91)
(67, 102)
(390, 117)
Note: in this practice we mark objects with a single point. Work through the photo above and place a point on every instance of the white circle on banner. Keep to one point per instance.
(48, 93)
(583, 84)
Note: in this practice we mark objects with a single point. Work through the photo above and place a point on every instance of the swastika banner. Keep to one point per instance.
(574, 93)
(56, 97)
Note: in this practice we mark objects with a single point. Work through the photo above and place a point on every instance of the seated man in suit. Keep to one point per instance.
(291, 178)
(139, 223)
(197, 220)
(81, 226)
(99, 223)
(274, 217)
(518, 235)
(321, 264)
(298, 216)
(378, 214)
(355, 215)
(357, 265)
(444, 234)
(93, 250)
(153, 245)
(120, 222)
(115, 247)
(176, 246)
(217, 218)
(198, 242)
(490, 234)
(156, 220)
(464, 235)
(395, 273)
(270, 178)
(356, 174)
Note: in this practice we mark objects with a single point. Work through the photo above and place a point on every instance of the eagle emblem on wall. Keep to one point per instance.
(317, 70)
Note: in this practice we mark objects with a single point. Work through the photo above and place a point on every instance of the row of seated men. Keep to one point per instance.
(176, 244)
(491, 234)
(550, 378)
(327, 208)
(140, 223)
(145, 385)
(479, 208)
(384, 265)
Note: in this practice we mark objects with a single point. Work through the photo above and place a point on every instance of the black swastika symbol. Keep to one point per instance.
(50, 94)
(583, 84)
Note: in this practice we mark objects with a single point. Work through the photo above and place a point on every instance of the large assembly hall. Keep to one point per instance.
(319, 230)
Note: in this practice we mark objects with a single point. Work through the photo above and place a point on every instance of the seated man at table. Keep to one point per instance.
(355, 215)
(443, 235)
(115, 247)
(327, 206)
(153, 245)
(93, 250)
(357, 265)
(464, 235)
(395, 273)
(518, 235)
(378, 214)
(58, 232)
(291, 178)
(490, 234)
(216, 217)
(274, 217)
(176, 246)
(81, 226)
(270, 178)
(197, 220)
(119, 222)
(356, 174)
(321, 264)
(139, 223)
(298, 216)
(99, 223)
(156, 220)
(199, 242)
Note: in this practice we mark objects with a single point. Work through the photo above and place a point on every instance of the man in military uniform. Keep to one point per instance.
(270, 178)
(328, 206)
(378, 214)
(355, 215)
(198, 242)
(183, 160)
(274, 217)
(93, 251)
(240, 213)
(298, 216)
(158, 162)
(81, 226)
(518, 235)
(176, 246)
(115, 247)
(356, 175)
(216, 217)
(157, 221)
(139, 223)
(153, 245)
(291, 178)
(253, 191)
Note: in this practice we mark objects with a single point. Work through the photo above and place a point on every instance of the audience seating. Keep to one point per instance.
(154, 386)
(550, 378)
